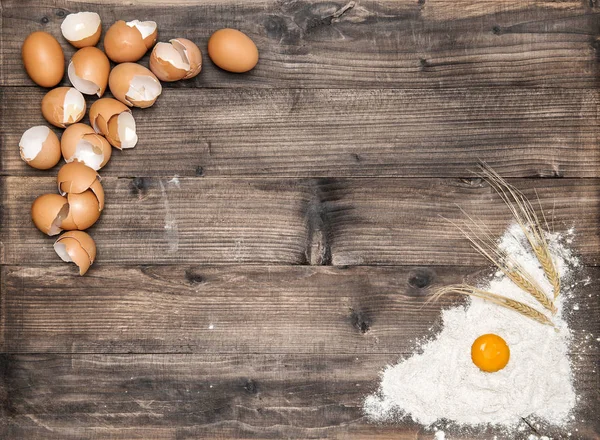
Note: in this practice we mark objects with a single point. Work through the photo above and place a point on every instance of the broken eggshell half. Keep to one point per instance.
(48, 212)
(88, 71)
(63, 106)
(114, 120)
(81, 143)
(129, 41)
(76, 247)
(134, 85)
(40, 147)
(178, 59)
(76, 177)
(82, 29)
(84, 211)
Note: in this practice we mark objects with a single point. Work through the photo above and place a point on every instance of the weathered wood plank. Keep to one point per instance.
(206, 396)
(304, 221)
(388, 43)
(338, 133)
(249, 309)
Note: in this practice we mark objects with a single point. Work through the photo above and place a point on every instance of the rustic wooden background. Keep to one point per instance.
(269, 245)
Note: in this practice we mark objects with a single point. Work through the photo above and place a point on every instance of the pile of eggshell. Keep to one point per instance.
(87, 148)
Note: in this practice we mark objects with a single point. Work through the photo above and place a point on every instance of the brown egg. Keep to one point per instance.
(40, 147)
(63, 106)
(232, 50)
(178, 59)
(134, 85)
(48, 212)
(76, 247)
(114, 120)
(43, 58)
(84, 211)
(80, 143)
(82, 29)
(76, 177)
(129, 41)
(88, 71)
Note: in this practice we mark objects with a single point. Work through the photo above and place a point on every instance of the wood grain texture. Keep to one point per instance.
(382, 43)
(248, 309)
(226, 396)
(343, 133)
(303, 221)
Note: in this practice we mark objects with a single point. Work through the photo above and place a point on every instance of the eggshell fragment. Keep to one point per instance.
(134, 85)
(81, 143)
(129, 41)
(40, 147)
(178, 59)
(48, 212)
(43, 58)
(82, 29)
(75, 177)
(63, 106)
(114, 120)
(232, 50)
(88, 71)
(84, 211)
(76, 247)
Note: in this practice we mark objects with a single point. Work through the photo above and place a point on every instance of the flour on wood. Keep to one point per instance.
(442, 387)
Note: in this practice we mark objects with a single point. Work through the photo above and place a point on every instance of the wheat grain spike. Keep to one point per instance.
(526, 217)
(517, 306)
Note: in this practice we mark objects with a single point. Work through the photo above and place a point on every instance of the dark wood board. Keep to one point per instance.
(375, 43)
(301, 221)
(521, 132)
(242, 309)
(272, 242)
(223, 396)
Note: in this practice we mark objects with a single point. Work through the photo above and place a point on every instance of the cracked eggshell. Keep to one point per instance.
(40, 147)
(84, 211)
(43, 59)
(75, 177)
(48, 212)
(63, 106)
(134, 85)
(232, 50)
(76, 247)
(114, 120)
(129, 41)
(82, 29)
(81, 143)
(88, 71)
(175, 60)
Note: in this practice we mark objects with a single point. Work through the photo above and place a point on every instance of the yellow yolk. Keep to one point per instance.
(490, 353)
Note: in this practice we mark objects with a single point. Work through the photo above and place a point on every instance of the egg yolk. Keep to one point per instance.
(490, 353)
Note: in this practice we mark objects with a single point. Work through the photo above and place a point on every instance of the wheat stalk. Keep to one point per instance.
(517, 306)
(482, 241)
(526, 217)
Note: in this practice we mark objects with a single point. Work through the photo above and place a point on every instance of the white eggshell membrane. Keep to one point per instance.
(32, 141)
(126, 130)
(73, 105)
(61, 251)
(174, 53)
(87, 153)
(143, 88)
(145, 28)
(76, 27)
(55, 228)
(83, 85)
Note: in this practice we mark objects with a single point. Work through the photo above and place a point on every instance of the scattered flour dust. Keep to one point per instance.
(442, 385)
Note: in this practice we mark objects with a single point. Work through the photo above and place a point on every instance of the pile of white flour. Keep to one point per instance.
(442, 383)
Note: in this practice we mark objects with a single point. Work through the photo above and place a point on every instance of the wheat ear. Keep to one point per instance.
(483, 242)
(526, 217)
(517, 306)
